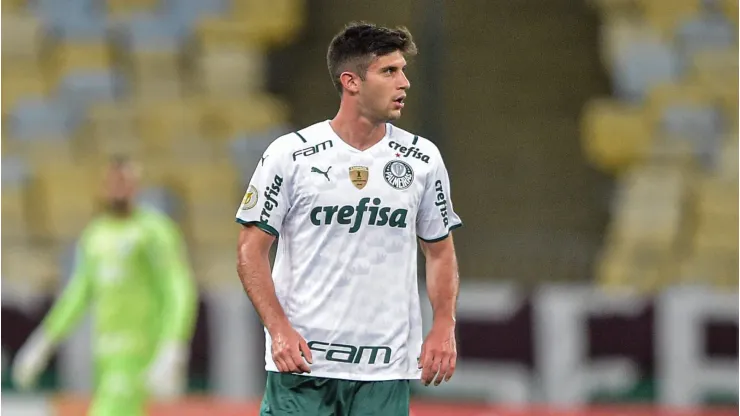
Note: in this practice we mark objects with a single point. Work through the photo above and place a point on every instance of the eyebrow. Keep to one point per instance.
(392, 67)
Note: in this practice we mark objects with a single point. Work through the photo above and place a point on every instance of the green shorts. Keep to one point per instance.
(292, 394)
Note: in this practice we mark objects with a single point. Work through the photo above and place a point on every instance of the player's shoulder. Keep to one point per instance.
(407, 142)
(289, 143)
(156, 220)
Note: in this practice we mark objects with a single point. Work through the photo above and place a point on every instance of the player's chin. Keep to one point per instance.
(394, 115)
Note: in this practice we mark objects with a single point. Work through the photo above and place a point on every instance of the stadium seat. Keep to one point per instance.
(665, 14)
(156, 74)
(641, 65)
(37, 117)
(278, 20)
(186, 12)
(42, 150)
(15, 176)
(56, 210)
(13, 7)
(116, 8)
(695, 111)
(234, 32)
(22, 35)
(150, 32)
(232, 72)
(80, 89)
(618, 33)
(112, 120)
(613, 134)
(648, 206)
(31, 265)
(163, 124)
(635, 268)
(88, 25)
(85, 56)
(18, 87)
(718, 269)
(703, 32)
(222, 119)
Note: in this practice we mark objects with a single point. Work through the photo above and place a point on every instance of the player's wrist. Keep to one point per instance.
(446, 321)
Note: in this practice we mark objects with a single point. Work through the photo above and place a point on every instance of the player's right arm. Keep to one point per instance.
(71, 305)
(36, 352)
(261, 214)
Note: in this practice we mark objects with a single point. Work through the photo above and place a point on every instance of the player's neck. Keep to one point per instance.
(356, 130)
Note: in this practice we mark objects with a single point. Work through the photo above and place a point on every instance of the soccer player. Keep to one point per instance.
(131, 267)
(347, 198)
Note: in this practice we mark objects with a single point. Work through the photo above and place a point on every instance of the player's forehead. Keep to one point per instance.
(393, 59)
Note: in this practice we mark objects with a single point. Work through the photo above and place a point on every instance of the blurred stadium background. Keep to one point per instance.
(593, 153)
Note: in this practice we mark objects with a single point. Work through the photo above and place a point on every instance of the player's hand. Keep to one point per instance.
(167, 375)
(438, 354)
(290, 351)
(31, 360)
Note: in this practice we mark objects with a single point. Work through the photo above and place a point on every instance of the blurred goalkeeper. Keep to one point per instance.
(131, 266)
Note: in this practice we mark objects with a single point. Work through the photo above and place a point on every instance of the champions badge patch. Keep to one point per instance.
(358, 175)
(250, 198)
(398, 174)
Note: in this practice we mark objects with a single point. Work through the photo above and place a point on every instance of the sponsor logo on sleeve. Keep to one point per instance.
(271, 201)
(441, 202)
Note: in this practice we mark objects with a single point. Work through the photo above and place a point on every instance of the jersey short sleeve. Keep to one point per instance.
(436, 217)
(266, 201)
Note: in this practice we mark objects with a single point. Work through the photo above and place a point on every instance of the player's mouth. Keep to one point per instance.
(398, 101)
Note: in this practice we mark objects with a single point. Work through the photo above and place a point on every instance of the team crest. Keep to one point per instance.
(250, 198)
(398, 174)
(358, 175)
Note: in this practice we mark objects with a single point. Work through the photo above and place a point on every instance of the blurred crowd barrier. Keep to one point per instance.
(669, 133)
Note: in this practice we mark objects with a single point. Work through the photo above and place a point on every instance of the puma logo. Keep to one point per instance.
(326, 174)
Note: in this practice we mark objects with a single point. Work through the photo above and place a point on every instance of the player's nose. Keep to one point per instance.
(405, 83)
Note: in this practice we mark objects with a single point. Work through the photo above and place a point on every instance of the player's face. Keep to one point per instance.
(384, 88)
(120, 188)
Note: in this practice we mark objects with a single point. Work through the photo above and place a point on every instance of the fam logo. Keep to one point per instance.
(312, 150)
(250, 198)
(398, 174)
(404, 151)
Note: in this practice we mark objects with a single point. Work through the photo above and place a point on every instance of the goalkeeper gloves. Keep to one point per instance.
(168, 372)
(31, 360)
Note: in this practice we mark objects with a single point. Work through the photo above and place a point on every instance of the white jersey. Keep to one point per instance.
(347, 221)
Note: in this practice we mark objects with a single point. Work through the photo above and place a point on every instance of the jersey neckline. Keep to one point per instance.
(388, 128)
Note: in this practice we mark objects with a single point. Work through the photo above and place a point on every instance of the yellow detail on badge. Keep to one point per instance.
(250, 198)
(358, 175)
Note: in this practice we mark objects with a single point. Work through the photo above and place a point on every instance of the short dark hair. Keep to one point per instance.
(359, 43)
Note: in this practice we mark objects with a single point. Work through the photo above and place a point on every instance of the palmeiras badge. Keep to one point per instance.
(358, 175)
(398, 174)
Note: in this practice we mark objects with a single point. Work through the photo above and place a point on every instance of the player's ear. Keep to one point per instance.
(350, 81)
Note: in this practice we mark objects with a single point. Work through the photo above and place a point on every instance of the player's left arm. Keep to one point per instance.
(179, 291)
(435, 221)
(439, 351)
(167, 374)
